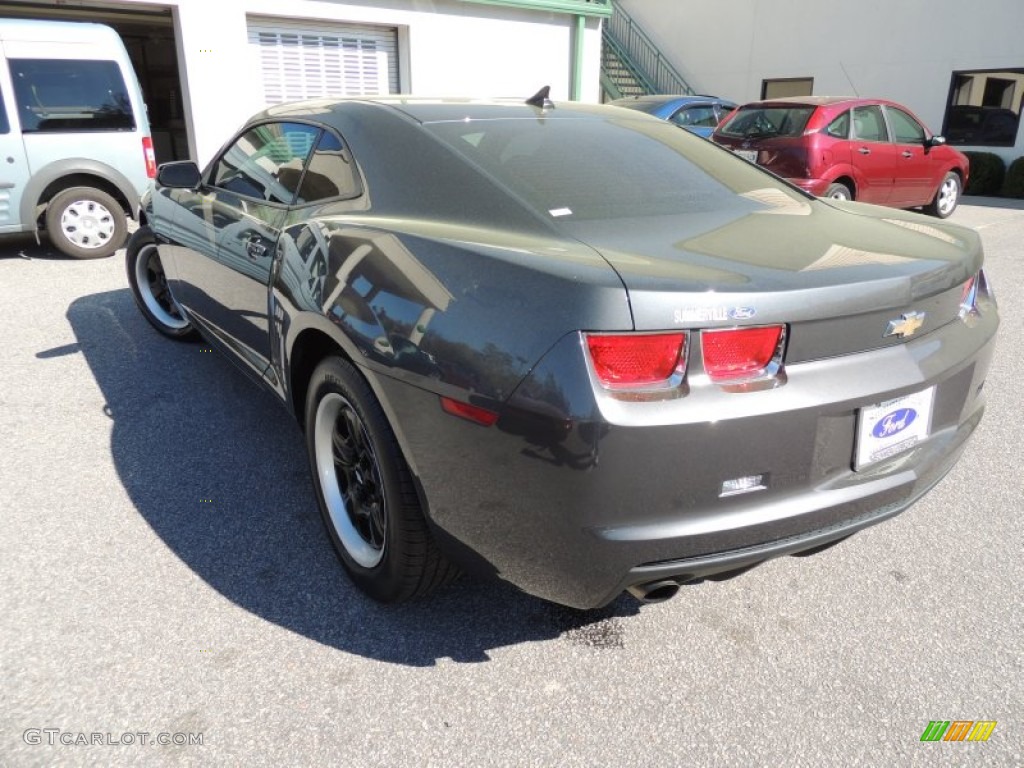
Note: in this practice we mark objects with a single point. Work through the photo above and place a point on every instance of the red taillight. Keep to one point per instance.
(969, 297)
(631, 360)
(740, 352)
(471, 412)
(150, 155)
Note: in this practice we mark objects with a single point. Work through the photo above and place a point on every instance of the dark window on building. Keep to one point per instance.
(71, 95)
(984, 107)
(781, 87)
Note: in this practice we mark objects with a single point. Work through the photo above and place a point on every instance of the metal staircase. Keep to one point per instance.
(632, 65)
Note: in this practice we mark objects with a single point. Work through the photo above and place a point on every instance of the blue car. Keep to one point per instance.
(699, 114)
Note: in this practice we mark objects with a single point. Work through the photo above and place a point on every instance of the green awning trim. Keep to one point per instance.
(594, 8)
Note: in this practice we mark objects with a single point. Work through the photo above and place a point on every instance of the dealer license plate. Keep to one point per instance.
(747, 154)
(893, 427)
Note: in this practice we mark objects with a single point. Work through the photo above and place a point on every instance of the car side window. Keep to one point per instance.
(5, 126)
(905, 129)
(839, 128)
(266, 162)
(331, 172)
(868, 124)
(702, 116)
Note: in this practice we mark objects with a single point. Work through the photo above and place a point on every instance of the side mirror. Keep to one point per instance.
(935, 141)
(180, 175)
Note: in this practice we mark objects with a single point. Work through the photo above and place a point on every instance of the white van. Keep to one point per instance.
(75, 148)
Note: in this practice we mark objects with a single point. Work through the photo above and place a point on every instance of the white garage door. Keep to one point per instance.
(309, 60)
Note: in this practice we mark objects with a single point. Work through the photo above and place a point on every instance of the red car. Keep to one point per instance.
(870, 150)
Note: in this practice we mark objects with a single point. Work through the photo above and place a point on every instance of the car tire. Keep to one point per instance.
(365, 491)
(947, 197)
(150, 289)
(837, 191)
(86, 223)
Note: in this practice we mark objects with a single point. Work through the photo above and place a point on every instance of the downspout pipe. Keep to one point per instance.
(576, 79)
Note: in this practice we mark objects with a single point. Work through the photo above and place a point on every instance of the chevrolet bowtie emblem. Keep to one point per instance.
(905, 325)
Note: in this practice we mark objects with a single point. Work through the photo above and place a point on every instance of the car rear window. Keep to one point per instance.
(765, 122)
(71, 95)
(573, 169)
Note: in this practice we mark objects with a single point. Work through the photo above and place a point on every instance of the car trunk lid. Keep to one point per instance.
(836, 277)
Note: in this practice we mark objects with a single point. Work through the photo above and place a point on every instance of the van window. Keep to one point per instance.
(71, 95)
(5, 126)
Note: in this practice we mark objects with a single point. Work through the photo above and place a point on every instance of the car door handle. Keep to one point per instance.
(864, 151)
(6, 185)
(908, 154)
(255, 247)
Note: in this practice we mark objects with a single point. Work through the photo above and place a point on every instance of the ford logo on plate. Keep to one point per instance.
(894, 423)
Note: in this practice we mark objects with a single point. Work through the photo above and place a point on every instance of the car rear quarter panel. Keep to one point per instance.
(571, 491)
(435, 306)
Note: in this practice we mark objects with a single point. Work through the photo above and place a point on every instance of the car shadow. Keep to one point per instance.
(217, 468)
(993, 202)
(24, 246)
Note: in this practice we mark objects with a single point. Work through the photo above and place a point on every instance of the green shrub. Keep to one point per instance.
(1014, 184)
(986, 175)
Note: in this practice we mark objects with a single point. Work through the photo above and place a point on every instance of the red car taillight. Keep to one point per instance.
(740, 353)
(637, 360)
(150, 155)
(969, 297)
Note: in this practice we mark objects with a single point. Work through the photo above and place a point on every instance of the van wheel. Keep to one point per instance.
(86, 223)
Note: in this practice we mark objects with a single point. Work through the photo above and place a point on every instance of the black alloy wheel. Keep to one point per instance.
(364, 488)
(150, 289)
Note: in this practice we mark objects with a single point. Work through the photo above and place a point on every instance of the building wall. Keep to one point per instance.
(905, 50)
(446, 47)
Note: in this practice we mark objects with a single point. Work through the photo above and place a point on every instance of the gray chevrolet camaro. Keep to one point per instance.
(568, 345)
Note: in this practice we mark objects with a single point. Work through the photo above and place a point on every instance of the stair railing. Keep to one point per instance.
(641, 56)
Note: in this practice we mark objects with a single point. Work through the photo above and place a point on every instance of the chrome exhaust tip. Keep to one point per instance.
(654, 591)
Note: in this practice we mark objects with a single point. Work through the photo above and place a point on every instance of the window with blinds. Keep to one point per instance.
(305, 61)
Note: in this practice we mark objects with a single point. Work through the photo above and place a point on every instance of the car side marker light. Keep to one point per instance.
(473, 413)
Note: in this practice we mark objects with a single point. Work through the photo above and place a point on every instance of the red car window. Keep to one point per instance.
(839, 128)
(868, 124)
(905, 129)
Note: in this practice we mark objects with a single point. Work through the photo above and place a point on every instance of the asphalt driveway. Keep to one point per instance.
(163, 572)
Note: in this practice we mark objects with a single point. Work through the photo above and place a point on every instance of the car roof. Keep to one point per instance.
(430, 110)
(662, 97)
(819, 101)
(678, 100)
(46, 31)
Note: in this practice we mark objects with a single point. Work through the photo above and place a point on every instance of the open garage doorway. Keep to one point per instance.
(148, 34)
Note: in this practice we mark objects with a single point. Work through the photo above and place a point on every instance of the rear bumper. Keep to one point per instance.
(851, 516)
(573, 499)
(815, 187)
